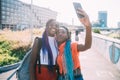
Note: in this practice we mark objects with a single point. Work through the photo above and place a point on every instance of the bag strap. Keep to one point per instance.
(38, 55)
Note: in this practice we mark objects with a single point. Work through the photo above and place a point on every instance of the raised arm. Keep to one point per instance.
(88, 37)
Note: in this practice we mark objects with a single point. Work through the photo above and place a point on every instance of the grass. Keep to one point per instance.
(115, 35)
(96, 30)
(15, 44)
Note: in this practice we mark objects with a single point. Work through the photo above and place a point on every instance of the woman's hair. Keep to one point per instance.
(49, 22)
(68, 55)
(68, 59)
(68, 32)
(46, 45)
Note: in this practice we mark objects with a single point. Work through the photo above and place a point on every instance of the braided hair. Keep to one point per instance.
(68, 55)
(46, 46)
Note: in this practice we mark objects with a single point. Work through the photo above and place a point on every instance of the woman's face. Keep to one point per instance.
(52, 28)
(62, 35)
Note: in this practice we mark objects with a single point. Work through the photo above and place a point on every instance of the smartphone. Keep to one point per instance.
(78, 6)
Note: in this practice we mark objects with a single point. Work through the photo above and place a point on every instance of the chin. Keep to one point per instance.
(58, 41)
(61, 41)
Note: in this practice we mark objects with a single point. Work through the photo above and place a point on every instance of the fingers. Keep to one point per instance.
(84, 20)
(81, 12)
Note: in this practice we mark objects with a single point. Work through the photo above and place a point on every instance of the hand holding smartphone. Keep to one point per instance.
(78, 6)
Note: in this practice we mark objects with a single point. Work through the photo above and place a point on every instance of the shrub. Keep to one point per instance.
(10, 54)
(96, 31)
(4, 47)
(15, 44)
(5, 59)
(19, 52)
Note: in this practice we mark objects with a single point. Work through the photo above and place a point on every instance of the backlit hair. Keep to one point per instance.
(49, 22)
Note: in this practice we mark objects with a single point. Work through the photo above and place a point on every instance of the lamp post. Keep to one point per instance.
(31, 22)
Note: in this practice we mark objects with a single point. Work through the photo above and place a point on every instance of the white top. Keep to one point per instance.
(53, 45)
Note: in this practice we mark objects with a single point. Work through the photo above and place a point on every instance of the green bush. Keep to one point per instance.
(96, 31)
(7, 60)
(19, 52)
(4, 47)
(10, 55)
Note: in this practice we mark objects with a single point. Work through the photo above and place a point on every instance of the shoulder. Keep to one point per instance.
(74, 48)
(74, 45)
(38, 38)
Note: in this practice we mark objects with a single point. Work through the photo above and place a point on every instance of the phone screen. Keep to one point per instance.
(77, 6)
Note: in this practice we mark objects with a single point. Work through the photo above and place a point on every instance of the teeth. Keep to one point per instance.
(53, 30)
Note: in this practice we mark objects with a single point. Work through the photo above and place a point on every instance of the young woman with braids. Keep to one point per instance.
(48, 54)
(68, 57)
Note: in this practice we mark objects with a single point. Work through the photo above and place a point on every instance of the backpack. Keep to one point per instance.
(22, 72)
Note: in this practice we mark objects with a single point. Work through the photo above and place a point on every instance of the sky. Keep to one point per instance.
(66, 12)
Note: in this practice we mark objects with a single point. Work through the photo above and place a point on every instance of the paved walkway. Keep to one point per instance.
(94, 67)
(5, 75)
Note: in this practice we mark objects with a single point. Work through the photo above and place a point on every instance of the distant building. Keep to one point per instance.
(118, 24)
(14, 13)
(102, 17)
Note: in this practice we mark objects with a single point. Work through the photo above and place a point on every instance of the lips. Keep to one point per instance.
(53, 31)
(59, 38)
